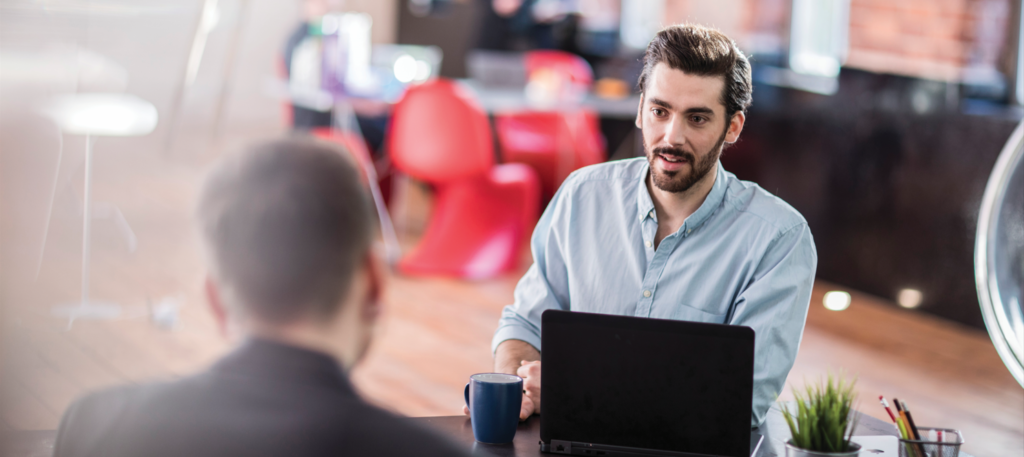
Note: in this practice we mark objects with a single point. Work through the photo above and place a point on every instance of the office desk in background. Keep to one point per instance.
(527, 439)
(498, 99)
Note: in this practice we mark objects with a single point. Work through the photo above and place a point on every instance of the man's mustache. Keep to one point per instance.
(675, 152)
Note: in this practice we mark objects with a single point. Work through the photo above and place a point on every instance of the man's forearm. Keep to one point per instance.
(510, 354)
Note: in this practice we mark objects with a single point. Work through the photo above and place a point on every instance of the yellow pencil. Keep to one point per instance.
(903, 430)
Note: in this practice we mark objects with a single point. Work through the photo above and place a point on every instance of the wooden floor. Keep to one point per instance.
(435, 332)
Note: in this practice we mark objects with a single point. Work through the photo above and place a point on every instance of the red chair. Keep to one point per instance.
(554, 143)
(483, 213)
(356, 146)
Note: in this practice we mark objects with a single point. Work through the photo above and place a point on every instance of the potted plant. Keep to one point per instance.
(823, 421)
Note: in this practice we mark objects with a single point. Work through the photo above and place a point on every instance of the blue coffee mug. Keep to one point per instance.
(494, 401)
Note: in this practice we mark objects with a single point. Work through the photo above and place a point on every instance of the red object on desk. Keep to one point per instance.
(483, 213)
(571, 65)
(557, 142)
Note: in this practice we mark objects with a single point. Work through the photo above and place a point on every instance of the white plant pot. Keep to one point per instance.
(793, 451)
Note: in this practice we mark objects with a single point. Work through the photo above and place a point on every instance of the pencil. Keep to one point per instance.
(911, 450)
(911, 430)
(885, 404)
(910, 420)
(903, 431)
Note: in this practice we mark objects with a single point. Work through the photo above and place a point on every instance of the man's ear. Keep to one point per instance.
(216, 304)
(735, 127)
(376, 276)
(639, 111)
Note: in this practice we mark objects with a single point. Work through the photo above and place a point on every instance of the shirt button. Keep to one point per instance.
(647, 293)
(649, 244)
(688, 231)
(651, 213)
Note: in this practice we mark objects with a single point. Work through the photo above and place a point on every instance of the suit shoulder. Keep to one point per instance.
(89, 420)
(416, 439)
(109, 403)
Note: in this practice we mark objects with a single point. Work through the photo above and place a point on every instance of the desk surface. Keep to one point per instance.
(527, 438)
(40, 443)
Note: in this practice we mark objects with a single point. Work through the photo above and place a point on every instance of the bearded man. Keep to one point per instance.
(672, 235)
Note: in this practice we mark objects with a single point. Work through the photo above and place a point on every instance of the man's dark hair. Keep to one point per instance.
(286, 224)
(702, 51)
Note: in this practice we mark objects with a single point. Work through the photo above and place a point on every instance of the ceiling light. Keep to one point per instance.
(909, 298)
(836, 300)
(405, 68)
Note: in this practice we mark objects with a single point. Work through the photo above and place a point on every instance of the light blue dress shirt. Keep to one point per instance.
(745, 257)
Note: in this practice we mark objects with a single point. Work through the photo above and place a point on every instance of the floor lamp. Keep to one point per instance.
(94, 115)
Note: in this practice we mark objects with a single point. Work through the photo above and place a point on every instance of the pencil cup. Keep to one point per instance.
(930, 445)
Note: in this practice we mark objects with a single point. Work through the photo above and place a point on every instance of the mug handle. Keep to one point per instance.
(466, 393)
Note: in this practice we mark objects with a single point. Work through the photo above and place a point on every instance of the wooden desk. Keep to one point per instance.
(526, 443)
(527, 438)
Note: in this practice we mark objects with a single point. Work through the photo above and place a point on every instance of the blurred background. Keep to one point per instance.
(881, 122)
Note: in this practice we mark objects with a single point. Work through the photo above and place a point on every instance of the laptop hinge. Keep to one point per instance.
(561, 447)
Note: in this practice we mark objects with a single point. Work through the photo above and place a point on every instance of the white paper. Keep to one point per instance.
(877, 446)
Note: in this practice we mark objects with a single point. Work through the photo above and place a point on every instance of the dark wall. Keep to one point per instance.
(889, 173)
(451, 27)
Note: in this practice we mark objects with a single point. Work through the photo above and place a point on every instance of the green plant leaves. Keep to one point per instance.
(824, 418)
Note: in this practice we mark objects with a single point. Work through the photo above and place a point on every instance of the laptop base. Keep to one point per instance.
(603, 450)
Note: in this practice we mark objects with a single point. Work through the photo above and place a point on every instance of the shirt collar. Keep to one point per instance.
(645, 205)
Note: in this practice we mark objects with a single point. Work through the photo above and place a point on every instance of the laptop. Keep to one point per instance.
(630, 386)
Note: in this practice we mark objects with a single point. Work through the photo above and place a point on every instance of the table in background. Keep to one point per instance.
(527, 439)
(499, 99)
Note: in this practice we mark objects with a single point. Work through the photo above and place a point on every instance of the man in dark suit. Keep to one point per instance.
(288, 230)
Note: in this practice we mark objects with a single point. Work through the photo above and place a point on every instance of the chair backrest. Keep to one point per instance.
(438, 133)
(568, 64)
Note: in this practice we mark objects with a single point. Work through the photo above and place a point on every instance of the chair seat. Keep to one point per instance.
(478, 225)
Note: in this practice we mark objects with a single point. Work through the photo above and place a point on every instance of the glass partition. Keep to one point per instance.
(999, 254)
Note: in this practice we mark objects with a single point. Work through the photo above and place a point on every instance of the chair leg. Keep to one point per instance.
(53, 196)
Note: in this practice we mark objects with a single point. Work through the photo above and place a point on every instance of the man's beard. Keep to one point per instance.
(675, 181)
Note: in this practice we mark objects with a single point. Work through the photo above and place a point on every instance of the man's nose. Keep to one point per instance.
(675, 133)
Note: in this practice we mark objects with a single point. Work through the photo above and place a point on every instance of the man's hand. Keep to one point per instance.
(521, 359)
(530, 372)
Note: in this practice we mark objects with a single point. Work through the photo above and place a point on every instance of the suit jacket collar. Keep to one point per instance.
(272, 361)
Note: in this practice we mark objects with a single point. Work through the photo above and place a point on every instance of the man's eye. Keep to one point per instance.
(698, 119)
(658, 112)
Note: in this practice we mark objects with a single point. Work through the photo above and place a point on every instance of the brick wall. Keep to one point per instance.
(935, 39)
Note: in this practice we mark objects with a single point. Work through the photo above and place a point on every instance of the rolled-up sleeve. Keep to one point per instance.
(775, 305)
(546, 284)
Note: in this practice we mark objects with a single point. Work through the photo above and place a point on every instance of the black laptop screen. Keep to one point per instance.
(646, 383)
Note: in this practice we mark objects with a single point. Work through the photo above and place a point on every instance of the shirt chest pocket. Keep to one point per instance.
(683, 312)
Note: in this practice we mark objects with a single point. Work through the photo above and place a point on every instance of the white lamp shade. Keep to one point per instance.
(102, 114)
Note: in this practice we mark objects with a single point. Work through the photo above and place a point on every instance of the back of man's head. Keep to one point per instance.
(286, 224)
